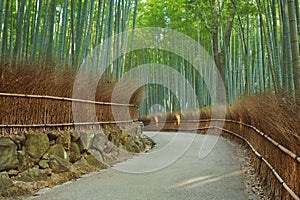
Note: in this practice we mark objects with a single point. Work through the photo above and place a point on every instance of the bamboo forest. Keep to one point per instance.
(87, 85)
(255, 44)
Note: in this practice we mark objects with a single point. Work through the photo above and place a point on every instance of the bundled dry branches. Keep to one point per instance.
(277, 117)
(29, 79)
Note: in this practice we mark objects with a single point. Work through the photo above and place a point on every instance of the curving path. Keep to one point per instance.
(217, 176)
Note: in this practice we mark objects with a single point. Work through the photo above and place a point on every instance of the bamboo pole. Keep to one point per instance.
(278, 145)
(64, 124)
(295, 157)
(66, 99)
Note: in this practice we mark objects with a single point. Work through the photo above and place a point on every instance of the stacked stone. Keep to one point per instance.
(33, 157)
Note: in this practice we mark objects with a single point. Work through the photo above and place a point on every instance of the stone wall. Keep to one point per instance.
(30, 161)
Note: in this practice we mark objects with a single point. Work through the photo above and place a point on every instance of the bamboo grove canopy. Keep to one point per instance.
(254, 43)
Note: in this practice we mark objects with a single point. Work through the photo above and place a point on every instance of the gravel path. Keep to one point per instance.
(252, 183)
(217, 176)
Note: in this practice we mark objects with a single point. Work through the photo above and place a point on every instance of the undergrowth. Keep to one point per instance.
(48, 80)
(59, 82)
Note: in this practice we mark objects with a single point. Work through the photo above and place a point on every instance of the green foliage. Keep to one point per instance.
(255, 48)
(258, 57)
(178, 15)
(58, 30)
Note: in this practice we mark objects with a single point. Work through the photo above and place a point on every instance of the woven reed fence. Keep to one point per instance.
(276, 165)
(19, 112)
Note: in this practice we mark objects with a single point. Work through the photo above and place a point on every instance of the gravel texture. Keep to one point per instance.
(253, 185)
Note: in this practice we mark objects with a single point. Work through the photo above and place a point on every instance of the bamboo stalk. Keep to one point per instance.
(273, 170)
(281, 147)
(278, 177)
(63, 124)
(66, 99)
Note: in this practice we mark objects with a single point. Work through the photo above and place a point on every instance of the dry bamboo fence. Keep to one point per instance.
(19, 112)
(277, 166)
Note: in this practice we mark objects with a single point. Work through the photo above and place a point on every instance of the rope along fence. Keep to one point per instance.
(20, 112)
(277, 165)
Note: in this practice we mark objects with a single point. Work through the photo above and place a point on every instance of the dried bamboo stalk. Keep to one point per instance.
(66, 99)
(281, 147)
(276, 174)
(63, 124)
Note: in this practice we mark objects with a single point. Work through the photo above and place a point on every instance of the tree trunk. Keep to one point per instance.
(220, 54)
(43, 33)
(294, 45)
(17, 48)
(50, 38)
(5, 32)
(63, 31)
(269, 51)
(1, 9)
